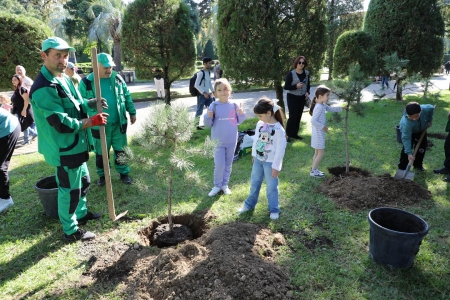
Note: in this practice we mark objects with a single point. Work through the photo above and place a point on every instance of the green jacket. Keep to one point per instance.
(58, 111)
(123, 99)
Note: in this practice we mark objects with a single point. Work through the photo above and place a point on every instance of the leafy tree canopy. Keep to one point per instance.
(258, 41)
(22, 38)
(156, 34)
(209, 50)
(414, 29)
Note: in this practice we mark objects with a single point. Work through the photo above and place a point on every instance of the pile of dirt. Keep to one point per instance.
(232, 261)
(359, 190)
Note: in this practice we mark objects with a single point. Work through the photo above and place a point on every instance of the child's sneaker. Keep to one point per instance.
(226, 190)
(214, 191)
(316, 173)
(274, 216)
(320, 172)
(243, 209)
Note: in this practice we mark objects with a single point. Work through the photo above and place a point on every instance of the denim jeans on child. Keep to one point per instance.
(260, 171)
(29, 131)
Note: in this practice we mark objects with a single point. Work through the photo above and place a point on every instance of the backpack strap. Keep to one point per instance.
(203, 78)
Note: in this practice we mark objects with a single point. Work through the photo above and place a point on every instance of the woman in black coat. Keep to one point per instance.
(297, 84)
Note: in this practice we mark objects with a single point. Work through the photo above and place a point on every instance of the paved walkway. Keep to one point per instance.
(247, 99)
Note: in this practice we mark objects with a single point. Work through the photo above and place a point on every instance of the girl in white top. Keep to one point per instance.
(318, 109)
(267, 155)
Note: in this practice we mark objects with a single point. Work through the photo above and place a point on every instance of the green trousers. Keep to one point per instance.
(73, 185)
(116, 140)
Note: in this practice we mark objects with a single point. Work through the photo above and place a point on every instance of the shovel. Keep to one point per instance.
(405, 174)
(109, 191)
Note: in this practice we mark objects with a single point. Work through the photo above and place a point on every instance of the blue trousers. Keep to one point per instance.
(260, 171)
(201, 103)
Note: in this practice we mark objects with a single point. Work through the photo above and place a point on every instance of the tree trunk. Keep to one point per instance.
(169, 200)
(279, 93)
(398, 94)
(166, 88)
(117, 56)
(347, 159)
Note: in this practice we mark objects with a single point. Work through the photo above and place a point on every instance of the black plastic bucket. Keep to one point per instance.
(395, 236)
(47, 190)
(399, 133)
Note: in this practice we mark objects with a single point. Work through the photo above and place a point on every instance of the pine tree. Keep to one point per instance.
(414, 29)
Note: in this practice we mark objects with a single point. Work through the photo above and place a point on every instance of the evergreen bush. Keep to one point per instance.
(414, 29)
(354, 47)
(22, 39)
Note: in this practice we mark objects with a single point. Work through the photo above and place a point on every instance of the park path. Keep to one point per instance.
(248, 100)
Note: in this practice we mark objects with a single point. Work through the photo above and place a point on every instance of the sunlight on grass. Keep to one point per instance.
(34, 261)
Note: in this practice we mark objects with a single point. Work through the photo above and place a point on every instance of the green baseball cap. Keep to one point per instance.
(56, 43)
(106, 60)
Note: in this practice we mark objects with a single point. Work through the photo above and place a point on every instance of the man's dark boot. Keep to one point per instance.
(125, 179)
(80, 234)
(101, 181)
(87, 217)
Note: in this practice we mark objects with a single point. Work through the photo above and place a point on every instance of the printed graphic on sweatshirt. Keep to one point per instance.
(264, 142)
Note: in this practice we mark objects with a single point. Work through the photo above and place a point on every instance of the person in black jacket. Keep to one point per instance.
(298, 85)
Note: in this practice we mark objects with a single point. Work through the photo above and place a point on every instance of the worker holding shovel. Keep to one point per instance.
(416, 119)
(61, 118)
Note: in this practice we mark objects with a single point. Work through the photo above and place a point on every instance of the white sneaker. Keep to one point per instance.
(5, 204)
(214, 191)
(316, 173)
(274, 216)
(243, 209)
(226, 190)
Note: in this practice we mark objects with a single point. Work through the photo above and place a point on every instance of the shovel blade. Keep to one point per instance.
(400, 174)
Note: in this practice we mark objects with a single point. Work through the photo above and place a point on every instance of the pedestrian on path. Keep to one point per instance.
(298, 85)
(204, 87)
(118, 97)
(22, 109)
(9, 133)
(61, 117)
(159, 84)
(27, 82)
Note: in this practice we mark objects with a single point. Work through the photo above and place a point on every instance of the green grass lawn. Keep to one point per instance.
(35, 263)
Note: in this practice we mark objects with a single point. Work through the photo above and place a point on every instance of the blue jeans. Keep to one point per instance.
(385, 79)
(29, 131)
(261, 170)
(201, 103)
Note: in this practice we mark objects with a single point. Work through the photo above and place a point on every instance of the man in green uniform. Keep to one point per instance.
(61, 118)
(117, 95)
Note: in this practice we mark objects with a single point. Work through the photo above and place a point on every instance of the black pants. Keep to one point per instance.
(296, 104)
(7, 145)
(418, 161)
(447, 152)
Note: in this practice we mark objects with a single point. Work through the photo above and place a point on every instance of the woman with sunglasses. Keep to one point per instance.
(297, 84)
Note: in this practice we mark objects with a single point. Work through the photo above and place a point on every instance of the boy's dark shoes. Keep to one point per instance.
(297, 137)
(199, 128)
(80, 234)
(101, 181)
(89, 216)
(443, 171)
(447, 179)
(125, 179)
(422, 169)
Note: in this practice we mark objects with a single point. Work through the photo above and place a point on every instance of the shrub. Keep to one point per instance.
(21, 38)
(354, 47)
(414, 29)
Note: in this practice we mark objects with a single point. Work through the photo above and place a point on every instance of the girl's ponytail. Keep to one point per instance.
(279, 116)
(313, 104)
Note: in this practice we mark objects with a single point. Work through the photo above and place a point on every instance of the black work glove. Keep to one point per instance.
(92, 103)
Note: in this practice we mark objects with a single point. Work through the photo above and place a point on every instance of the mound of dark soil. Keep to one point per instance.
(233, 261)
(360, 190)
